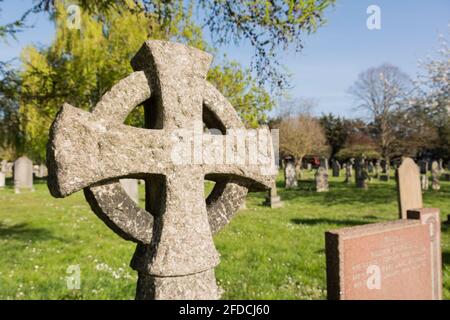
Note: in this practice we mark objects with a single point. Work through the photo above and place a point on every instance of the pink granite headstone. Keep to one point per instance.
(398, 260)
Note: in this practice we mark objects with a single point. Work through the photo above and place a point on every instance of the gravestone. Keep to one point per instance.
(377, 169)
(321, 178)
(131, 188)
(42, 171)
(409, 189)
(441, 165)
(385, 172)
(397, 260)
(273, 200)
(336, 166)
(3, 167)
(324, 163)
(175, 255)
(9, 168)
(435, 173)
(424, 182)
(2, 180)
(348, 172)
(290, 175)
(370, 167)
(309, 166)
(23, 174)
(361, 175)
(351, 163)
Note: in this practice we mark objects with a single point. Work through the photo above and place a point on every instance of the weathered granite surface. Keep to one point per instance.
(175, 255)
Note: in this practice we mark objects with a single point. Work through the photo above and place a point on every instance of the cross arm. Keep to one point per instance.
(84, 149)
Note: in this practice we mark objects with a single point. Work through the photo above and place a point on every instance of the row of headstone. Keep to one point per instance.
(398, 260)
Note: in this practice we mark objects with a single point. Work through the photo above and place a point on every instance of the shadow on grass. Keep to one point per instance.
(24, 232)
(312, 222)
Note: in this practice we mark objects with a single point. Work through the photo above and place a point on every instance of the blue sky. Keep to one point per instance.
(331, 58)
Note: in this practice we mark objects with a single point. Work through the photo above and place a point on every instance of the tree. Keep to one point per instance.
(10, 131)
(237, 84)
(81, 65)
(336, 130)
(266, 25)
(433, 99)
(383, 92)
(358, 144)
(301, 134)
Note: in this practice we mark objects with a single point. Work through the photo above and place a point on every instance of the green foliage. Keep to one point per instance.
(358, 150)
(336, 130)
(238, 86)
(81, 65)
(265, 25)
(10, 131)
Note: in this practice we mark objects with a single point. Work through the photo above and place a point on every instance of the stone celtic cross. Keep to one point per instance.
(175, 255)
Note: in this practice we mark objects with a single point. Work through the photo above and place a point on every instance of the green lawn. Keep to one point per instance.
(266, 253)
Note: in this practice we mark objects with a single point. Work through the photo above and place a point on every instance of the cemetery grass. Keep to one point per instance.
(265, 253)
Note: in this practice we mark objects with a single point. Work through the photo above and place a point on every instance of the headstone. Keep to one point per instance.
(409, 189)
(377, 169)
(175, 255)
(351, 164)
(2, 180)
(435, 173)
(385, 174)
(23, 174)
(348, 172)
(321, 178)
(361, 175)
(441, 165)
(396, 260)
(290, 175)
(336, 168)
(324, 163)
(36, 170)
(273, 200)
(42, 171)
(424, 182)
(370, 167)
(9, 167)
(309, 166)
(4, 167)
(130, 186)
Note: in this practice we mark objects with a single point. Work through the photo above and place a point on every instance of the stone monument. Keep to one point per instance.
(408, 187)
(23, 174)
(290, 175)
(336, 166)
(273, 200)
(435, 174)
(396, 260)
(321, 178)
(175, 255)
(131, 187)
